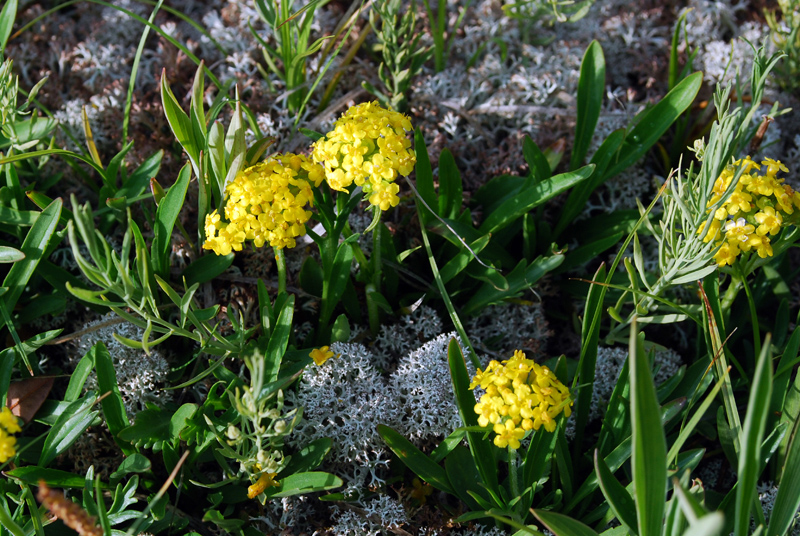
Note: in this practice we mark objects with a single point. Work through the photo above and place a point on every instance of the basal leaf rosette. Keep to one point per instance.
(266, 203)
(520, 395)
(754, 213)
(367, 147)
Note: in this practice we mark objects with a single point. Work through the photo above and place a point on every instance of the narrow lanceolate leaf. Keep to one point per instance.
(649, 453)
(7, 17)
(618, 498)
(113, 407)
(166, 216)
(788, 500)
(32, 248)
(179, 123)
(750, 440)
(591, 88)
(415, 459)
(562, 525)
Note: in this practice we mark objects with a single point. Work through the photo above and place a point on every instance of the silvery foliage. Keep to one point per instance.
(398, 339)
(139, 376)
(424, 391)
(345, 399)
(377, 515)
(508, 327)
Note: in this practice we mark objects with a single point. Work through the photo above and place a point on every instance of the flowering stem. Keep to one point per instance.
(280, 261)
(513, 477)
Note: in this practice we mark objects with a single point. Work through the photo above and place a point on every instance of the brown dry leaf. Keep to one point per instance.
(25, 397)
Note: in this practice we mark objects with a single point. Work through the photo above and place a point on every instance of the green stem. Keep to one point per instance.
(8, 523)
(753, 317)
(280, 262)
(513, 477)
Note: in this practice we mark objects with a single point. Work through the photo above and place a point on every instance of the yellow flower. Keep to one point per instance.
(520, 395)
(266, 203)
(759, 205)
(320, 355)
(266, 480)
(420, 490)
(8, 425)
(367, 147)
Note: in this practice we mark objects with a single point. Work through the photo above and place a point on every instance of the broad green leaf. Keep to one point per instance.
(207, 268)
(465, 479)
(591, 89)
(303, 483)
(179, 123)
(540, 169)
(532, 196)
(135, 463)
(649, 453)
(113, 408)
(166, 216)
(279, 340)
(11, 216)
(419, 463)
(70, 425)
(54, 477)
(33, 247)
(154, 426)
(655, 122)
(307, 458)
(750, 440)
(562, 525)
(619, 500)
(787, 502)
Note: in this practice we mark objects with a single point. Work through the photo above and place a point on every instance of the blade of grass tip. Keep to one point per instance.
(721, 367)
(133, 530)
(126, 116)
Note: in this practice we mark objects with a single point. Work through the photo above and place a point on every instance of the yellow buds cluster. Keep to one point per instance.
(266, 204)
(520, 396)
(8, 426)
(759, 206)
(368, 147)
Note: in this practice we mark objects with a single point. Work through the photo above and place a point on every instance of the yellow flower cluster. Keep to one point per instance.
(266, 204)
(368, 147)
(520, 396)
(8, 426)
(760, 205)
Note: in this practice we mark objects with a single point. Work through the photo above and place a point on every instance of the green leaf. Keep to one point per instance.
(54, 477)
(655, 122)
(33, 247)
(154, 426)
(166, 216)
(532, 196)
(450, 187)
(307, 458)
(465, 479)
(70, 425)
(78, 377)
(138, 181)
(591, 89)
(207, 268)
(787, 502)
(279, 340)
(302, 483)
(113, 408)
(750, 441)
(521, 277)
(709, 525)
(424, 172)
(483, 454)
(135, 463)
(7, 17)
(562, 525)
(10, 255)
(536, 160)
(179, 123)
(23, 218)
(649, 454)
(619, 500)
(419, 463)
